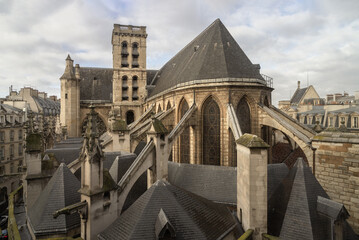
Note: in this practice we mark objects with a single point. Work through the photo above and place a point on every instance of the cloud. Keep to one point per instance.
(291, 39)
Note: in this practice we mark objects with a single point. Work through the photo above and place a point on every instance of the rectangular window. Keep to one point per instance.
(355, 122)
(2, 136)
(20, 119)
(11, 167)
(20, 134)
(2, 153)
(2, 170)
(342, 120)
(331, 122)
(11, 150)
(11, 119)
(2, 119)
(12, 134)
(20, 149)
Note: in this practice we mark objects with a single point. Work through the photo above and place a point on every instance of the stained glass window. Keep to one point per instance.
(211, 133)
(184, 139)
(244, 116)
(232, 158)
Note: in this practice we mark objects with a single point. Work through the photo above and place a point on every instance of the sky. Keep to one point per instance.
(315, 42)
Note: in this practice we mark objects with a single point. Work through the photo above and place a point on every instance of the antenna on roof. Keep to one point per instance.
(307, 80)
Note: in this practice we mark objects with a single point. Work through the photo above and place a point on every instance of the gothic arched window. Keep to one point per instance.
(211, 133)
(184, 138)
(244, 116)
(232, 158)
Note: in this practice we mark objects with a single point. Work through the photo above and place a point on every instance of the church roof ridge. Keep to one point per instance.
(213, 54)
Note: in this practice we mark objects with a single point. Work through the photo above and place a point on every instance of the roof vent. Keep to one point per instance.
(163, 227)
(196, 48)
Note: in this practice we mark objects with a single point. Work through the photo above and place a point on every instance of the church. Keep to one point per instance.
(197, 134)
(211, 71)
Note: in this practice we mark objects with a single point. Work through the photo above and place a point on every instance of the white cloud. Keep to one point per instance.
(290, 39)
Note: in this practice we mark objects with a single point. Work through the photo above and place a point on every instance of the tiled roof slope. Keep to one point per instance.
(96, 83)
(61, 191)
(216, 183)
(292, 209)
(297, 96)
(212, 54)
(276, 173)
(192, 217)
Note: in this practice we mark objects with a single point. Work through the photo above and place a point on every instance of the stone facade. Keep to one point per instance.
(337, 169)
(223, 94)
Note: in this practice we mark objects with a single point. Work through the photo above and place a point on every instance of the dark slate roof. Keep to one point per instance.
(316, 110)
(64, 155)
(10, 109)
(216, 183)
(61, 191)
(212, 54)
(191, 216)
(297, 96)
(354, 109)
(150, 75)
(109, 159)
(96, 83)
(67, 150)
(276, 173)
(48, 106)
(331, 209)
(119, 167)
(292, 208)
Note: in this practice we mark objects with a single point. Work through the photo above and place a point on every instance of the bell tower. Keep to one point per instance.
(129, 70)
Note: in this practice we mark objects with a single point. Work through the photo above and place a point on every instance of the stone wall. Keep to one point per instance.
(337, 169)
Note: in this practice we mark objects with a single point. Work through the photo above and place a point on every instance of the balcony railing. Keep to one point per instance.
(269, 80)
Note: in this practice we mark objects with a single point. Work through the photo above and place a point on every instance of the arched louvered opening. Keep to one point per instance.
(130, 117)
(124, 54)
(124, 88)
(244, 116)
(135, 55)
(134, 88)
(232, 156)
(185, 136)
(211, 133)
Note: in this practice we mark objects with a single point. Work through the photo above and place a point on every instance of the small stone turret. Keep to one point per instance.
(70, 98)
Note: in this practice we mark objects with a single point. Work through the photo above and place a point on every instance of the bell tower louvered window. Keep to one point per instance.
(124, 89)
(184, 139)
(135, 55)
(211, 133)
(134, 88)
(124, 55)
